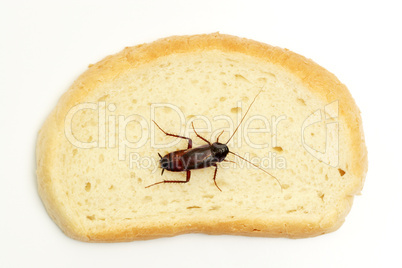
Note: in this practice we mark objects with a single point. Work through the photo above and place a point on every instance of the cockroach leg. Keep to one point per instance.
(217, 139)
(188, 176)
(190, 142)
(229, 161)
(216, 170)
(192, 124)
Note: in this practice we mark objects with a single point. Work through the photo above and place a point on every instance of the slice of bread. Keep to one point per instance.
(98, 149)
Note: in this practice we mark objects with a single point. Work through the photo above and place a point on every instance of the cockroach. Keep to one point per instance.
(204, 156)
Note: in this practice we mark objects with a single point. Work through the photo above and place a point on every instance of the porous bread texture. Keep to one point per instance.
(99, 194)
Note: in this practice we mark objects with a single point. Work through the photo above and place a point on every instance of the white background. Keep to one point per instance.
(45, 45)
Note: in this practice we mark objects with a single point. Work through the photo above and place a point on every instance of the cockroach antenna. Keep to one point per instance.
(244, 115)
(258, 168)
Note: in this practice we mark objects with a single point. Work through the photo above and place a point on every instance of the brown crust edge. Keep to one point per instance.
(318, 79)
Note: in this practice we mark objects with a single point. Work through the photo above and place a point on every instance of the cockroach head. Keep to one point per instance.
(164, 163)
(219, 150)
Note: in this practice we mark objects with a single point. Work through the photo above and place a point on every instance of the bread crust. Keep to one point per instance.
(320, 81)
